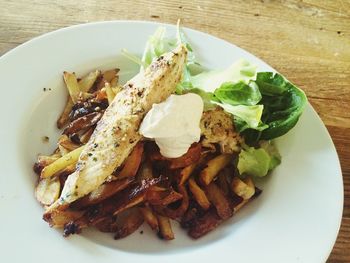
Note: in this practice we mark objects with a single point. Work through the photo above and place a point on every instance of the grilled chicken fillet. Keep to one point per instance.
(117, 133)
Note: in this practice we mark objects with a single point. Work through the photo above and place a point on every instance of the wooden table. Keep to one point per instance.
(307, 41)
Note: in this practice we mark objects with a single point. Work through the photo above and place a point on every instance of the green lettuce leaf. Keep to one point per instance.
(238, 93)
(258, 162)
(209, 81)
(251, 115)
(283, 105)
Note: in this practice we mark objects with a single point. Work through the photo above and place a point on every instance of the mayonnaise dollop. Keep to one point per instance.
(174, 124)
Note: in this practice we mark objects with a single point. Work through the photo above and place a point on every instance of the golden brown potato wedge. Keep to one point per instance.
(86, 83)
(44, 160)
(84, 138)
(176, 213)
(185, 173)
(61, 163)
(103, 192)
(132, 163)
(192, 156)
(107, 225)
(243, 189)
(134, 195)
(150, 217)
(223, 180)
(129, 224)
(64, 117)
(145, 171)
(72, 85)
(59, 218)
(83, 122)
(48, 190)
(205, 224)
(111, 75)
(66, 143)
(110, 93)
(198, 194)
(214, 166)
(162, 196)
(165, 230)
(219, 200)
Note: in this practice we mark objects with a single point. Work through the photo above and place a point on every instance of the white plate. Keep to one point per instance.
(296, 219)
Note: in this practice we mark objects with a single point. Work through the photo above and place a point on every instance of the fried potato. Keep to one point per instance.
(59, 218)
(145, 171)
(103, 192)
(192, 156)
(223, 180)
(132, 163)
(244, 189)
(198, 194)
(214, 166)
(134, 195)
(219, 200)
(110, 93)
(66, 143)
(84, 138)
(185, 173)
(202, 225)
(61, 163)
(86, 83)
(107, 77)
(129, 224)
(150, 217)
(48, 190)
(176, 213)
(83, 122)
(165, 230)
(107, 225)
(43, 161)
(64, 117)
(72, 85)
(162, 196)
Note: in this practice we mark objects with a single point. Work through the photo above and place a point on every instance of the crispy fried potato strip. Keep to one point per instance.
(86, 83)
(61, 163)
(198, 194)
(129, 224)
(150, 218)
(214, 166)
(72, 85)
(48, 190)
(165, 230)
(219, 200)
(64, 117)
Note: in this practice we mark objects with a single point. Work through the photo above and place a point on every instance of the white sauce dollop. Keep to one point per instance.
(174, 124)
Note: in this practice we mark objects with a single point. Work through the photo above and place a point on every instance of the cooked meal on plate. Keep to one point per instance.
(176, 142)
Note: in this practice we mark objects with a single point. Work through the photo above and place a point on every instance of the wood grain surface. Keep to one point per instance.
(307, 41)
